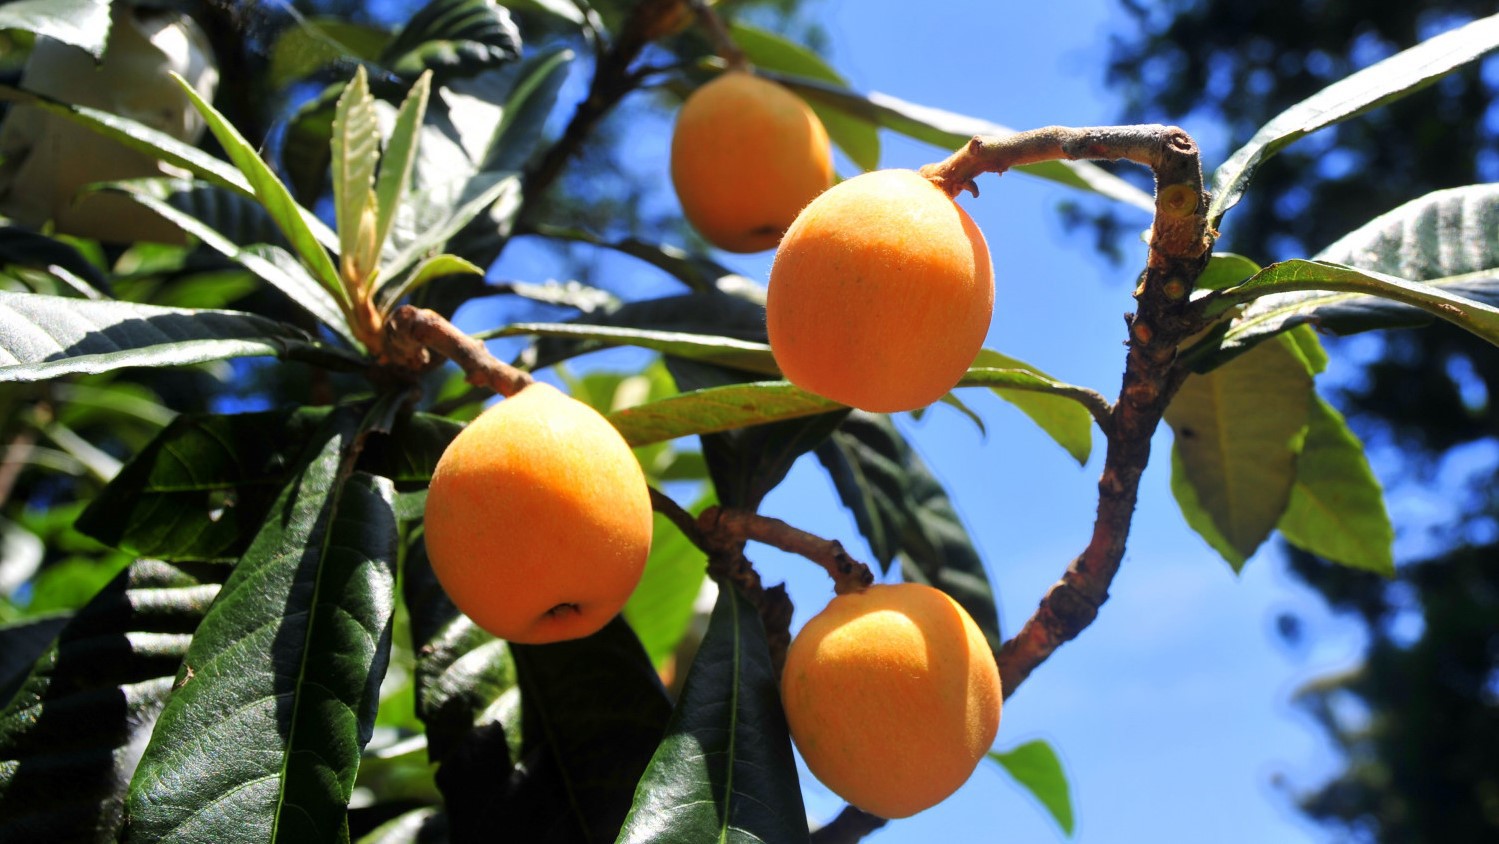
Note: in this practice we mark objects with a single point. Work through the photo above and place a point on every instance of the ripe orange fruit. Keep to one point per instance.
(538, 519)
(880, 293)
(746, 155)
(892, 696)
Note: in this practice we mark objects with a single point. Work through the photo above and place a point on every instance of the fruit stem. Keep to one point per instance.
(413, 335)
(1180, 244)
(851, 825)
(718, 32)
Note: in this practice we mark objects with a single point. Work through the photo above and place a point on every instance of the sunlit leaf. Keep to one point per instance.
(356, 152)
(453, 38)
(724, 771)
(661, 608)
(1386, 81)
(717, 409)
(722, 351)
(83, 24)
(1036, 768)
(1337, 508)
(1053, 405)
(399, 158)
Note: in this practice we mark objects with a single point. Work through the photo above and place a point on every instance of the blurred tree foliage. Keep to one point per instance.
(1418, 722)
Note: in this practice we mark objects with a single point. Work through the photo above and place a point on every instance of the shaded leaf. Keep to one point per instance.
(1337, 508)
(21, 643)
(43, 337)
(23, 247)
(717, 409)
(1238, 430)
(950, 131)
(858, 138)
(501, 190)
(906, 515)
(696, 271)
(593, 713)
(1225, 269)
(724, 771)
(70, 737)
(453, 38)
(530, 102)
(279, 688)
(1395, 77)
(291, 218)
(1051, 404)
(83, 24)
(313, 43)
(1443, 234)
(1035, 766)
(1196, 515)
(720, 351)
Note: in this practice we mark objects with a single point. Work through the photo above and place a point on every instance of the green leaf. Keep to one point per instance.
(1337, 508)
(453, 38)
(661, 608)
(66, 738)
(278, 690)
(724, 771)
(21, 644)
(1339, 298)
(418, 826)
(1225, 269)
(435, 267)
(356, 152)
(951, 131)
(1238, 430)
(1440, 235)
(527, 107)
(1389, 80)
(290, 217)
(83, 24)
(313, 43)
(1196, 514)
(717, 409)
(216, 217)
(43, 337)
(857, 137)
(399, 158)
(906, 515)
(1035, 766)
(1051, 404)
(593, 714)
(720, 351)
(501, 190)
(203, 486)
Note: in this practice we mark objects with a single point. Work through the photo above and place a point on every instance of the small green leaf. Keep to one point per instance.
(278, 691)
(501, 190)
(717, 409)
(1225, 269)
(724, 771)
(431, 268)
(1036, 767)
(1238, 430)
(1386, 81)
(951, 131)
(400, 158)
(661, 608)
(857, 137)
(721, 351)
(356, 152)
(290, 217)
(1337, 508)
(1051, 404)
(43, 337)
(83, 24)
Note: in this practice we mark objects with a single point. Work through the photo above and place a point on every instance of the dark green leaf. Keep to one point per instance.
(21, 644)
(1035, 766)
(530, 102)
(717, 409)
(82, 23)
(313, 43)
(1337, 508)
(1051, 404)
(905, 514)
(951, 131)
(43, 337)
(411, 450)
(24, 247)
(239, 229)
(278, 690)
(453, 38)
(1386, 81)
(724, 771)
(1238, 430)
(70, 737)
(1443, 234)
(857, 137)
(593, 714)
(201, 489)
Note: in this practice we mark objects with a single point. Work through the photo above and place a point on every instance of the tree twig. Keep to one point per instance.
(1180, 244)
(718, 32)
(739, 526)
(413, 334)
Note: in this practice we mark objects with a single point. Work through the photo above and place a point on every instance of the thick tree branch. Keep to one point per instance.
(1180, 244)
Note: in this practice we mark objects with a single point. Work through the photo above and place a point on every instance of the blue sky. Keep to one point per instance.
(1173, 712)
